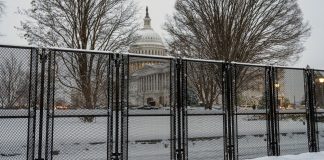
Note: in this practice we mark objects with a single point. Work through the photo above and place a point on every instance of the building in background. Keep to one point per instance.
(149, 78)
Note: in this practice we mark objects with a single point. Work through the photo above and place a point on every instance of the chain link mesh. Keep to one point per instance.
(149, 109)
(80, 106)
(205, 111)
(251, 109)
(16, 109)
(292, 112)
(319, 97)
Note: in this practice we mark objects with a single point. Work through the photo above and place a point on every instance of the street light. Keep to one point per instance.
(277, 85)
(321, 80)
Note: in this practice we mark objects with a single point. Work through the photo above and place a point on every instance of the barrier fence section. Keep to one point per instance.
(60, 103)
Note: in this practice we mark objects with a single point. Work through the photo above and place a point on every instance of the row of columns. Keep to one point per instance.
(151, 52)
(154, 82)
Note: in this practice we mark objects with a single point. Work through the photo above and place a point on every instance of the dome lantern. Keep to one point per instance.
(147, 19)
(148, 42)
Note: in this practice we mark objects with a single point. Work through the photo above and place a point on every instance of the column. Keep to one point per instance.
(156, 82)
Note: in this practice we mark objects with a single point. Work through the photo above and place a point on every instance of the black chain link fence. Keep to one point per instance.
(75, 104)
(17, 82)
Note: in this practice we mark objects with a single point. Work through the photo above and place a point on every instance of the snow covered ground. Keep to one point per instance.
(149, 137)
(303, 156)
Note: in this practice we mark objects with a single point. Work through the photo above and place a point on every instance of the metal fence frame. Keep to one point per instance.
(118, 66)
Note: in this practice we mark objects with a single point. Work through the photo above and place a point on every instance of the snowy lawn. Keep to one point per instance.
(303, 156)
(149, 137)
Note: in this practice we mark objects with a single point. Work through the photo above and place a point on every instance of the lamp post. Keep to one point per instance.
(277, 86)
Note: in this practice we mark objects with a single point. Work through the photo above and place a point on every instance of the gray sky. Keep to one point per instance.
(159, 9)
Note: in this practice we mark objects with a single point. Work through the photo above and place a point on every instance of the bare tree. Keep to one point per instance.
(13, 84)
(204, 80)
(87, 24)
(2, 6)
(263, 31)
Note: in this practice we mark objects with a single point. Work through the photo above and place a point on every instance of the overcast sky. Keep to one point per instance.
(159, 9)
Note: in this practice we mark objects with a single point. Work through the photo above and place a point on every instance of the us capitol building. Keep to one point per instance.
(149, 78)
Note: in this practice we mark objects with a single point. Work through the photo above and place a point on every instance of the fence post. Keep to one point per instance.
(179, 112)
(173, 105)
(32, 101)
(110, 98)
(184, 109)
(311, 116)
(272, 115)
(116, 155)
(117, 122)
(230, 127)
(50, 105)
(124, 106)
(43, 59)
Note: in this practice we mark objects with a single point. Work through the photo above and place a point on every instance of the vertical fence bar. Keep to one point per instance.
(53, 102)
(275, 109)
(43, 58)
(272, 115)
(311, 116)
(50, 106)
(178, 110)
(116, 153)
(172, 109)
(110, 77)
(268, 108)
(32, 101)
(230, 133)
(184, 84)
(127, 107)
(122, 104)
(124, 107)
(233, 106)
(224, 109)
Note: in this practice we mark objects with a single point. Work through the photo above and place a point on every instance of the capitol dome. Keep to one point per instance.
(148, 36)
(149, 41)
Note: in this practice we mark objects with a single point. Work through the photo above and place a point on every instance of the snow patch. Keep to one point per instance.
(303, 156)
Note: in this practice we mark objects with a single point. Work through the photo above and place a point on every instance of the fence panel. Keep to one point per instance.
(18, 85)
(319, 96)
(81, 109)
(251, 111)
(149, 109)
(205, 110)
(290, 90)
